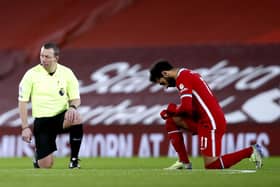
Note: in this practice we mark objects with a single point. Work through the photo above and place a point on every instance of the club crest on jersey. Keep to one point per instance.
(181, 86)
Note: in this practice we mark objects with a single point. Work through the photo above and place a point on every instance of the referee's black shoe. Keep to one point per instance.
(74, 163)
(35, 163)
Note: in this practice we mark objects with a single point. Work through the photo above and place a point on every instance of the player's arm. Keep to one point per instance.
(185, 106)
(183, 109)
(185, 90)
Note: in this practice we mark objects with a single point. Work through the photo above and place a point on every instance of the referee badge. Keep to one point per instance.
(61, 91)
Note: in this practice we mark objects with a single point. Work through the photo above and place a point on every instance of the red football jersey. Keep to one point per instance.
(198, 102)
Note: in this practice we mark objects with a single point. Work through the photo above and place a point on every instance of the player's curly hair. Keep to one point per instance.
(157, 68)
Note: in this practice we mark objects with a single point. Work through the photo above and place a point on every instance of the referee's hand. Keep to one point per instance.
(26, 134)
(71, 115)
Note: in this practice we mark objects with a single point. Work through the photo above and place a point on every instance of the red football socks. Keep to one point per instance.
(176, 138)
(231, 159)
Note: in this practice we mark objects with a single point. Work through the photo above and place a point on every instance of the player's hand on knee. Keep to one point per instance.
(164, 114)
(169, 112)
(171, 109)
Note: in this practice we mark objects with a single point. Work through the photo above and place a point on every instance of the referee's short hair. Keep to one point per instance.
(53, 46)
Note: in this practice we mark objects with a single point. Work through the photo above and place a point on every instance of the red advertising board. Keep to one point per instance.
(120, 107)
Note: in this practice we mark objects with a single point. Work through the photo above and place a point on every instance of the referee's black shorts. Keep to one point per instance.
(45, 131)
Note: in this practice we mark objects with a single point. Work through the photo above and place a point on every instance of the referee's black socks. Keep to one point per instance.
(76, 136)
(35, 161)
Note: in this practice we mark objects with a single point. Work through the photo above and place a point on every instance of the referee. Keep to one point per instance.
(53, 90)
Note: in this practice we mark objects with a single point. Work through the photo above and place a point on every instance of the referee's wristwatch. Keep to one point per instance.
(73, 106)
(23, 128)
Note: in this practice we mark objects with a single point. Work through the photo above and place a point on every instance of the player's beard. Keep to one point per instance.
(171, 82)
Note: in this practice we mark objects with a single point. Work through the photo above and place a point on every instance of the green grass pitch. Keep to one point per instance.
(135, 172)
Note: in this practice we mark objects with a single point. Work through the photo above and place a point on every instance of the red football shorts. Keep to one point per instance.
(210, 141)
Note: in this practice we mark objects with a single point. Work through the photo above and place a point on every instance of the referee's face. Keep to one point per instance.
(48, 59)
